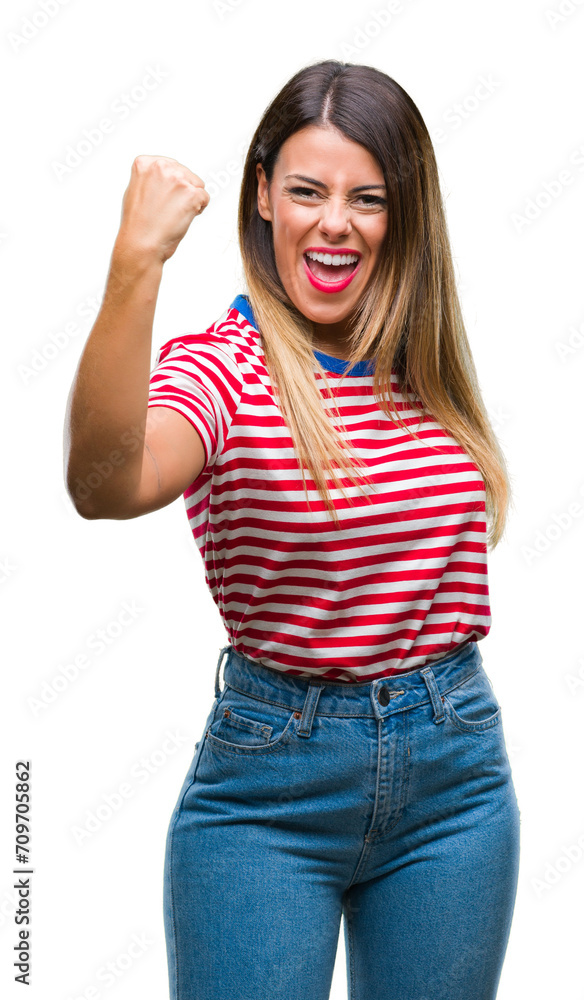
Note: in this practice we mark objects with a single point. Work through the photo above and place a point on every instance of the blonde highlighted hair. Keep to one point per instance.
(409, 318)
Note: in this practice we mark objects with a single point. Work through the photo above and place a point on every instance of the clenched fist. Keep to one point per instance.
(159, 204)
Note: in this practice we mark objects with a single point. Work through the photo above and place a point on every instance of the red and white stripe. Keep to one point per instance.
(403, 582)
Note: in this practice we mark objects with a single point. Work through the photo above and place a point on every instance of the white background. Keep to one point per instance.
(63, 578)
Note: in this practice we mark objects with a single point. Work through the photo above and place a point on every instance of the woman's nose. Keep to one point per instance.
(335, 218)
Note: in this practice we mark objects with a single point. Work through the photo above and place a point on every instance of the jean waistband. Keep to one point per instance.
(377, 698)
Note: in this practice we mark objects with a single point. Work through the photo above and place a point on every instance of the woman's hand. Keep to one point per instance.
(158, 206)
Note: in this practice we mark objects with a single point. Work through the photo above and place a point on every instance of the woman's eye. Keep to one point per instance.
(367, 199)
(373, 199)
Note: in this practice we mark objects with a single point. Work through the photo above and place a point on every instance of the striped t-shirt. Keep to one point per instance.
(401, 583)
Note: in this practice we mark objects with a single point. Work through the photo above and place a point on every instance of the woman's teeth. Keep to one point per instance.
(334, 259)
(331, 267)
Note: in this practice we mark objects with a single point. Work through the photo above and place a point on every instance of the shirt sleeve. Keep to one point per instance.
(199, 378)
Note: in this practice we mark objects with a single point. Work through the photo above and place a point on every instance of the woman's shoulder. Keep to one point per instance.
(231, 334)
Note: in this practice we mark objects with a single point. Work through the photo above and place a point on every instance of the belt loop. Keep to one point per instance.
(217, 686)
(435, 696)
(310, 703)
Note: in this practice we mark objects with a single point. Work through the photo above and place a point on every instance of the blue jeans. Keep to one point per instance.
(389, 802)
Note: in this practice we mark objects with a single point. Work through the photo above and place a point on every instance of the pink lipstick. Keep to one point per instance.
(325, 285)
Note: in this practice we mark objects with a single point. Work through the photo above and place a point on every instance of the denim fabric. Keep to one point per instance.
(389, 802)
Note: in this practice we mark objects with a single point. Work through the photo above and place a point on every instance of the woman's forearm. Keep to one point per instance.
(107, 406)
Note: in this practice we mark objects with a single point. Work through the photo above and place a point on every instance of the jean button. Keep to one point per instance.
(383, 695)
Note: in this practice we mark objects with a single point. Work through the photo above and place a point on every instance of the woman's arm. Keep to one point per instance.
(123, 459)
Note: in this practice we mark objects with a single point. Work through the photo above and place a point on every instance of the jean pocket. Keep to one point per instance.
(472, 706)
(247, 725)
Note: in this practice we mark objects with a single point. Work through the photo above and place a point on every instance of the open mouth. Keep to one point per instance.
(322, 266)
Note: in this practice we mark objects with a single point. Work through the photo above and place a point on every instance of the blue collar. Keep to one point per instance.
(330, 364)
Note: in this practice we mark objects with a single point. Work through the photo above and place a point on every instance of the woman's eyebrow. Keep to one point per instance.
(311, 180)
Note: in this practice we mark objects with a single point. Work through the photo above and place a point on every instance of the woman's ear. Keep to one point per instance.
(263, 200)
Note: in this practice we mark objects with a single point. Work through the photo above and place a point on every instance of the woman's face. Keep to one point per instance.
(314, 205)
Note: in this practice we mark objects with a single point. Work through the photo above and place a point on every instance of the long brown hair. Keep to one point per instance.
(409, 318)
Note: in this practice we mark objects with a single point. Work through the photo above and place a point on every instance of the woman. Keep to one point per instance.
(340, 474)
